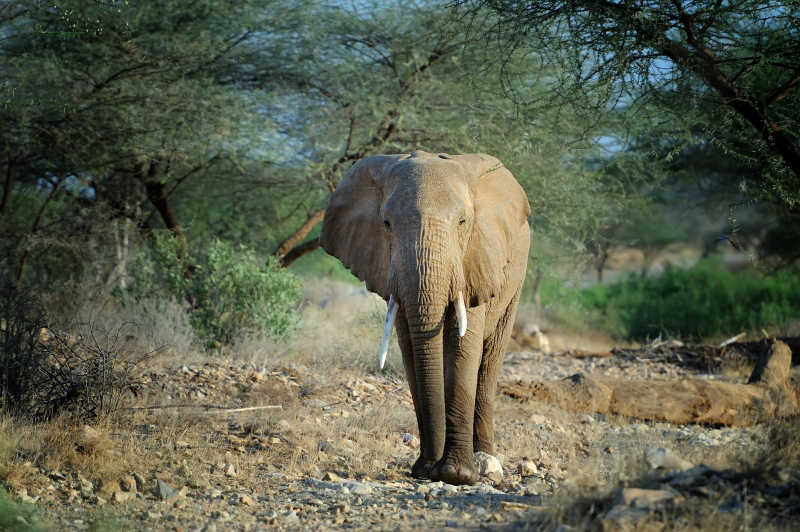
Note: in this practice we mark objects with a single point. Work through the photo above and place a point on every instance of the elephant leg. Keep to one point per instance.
(461, 363)
(423, 465)
(494, 350)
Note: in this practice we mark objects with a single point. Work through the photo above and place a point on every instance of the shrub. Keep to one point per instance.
(45, 372)
(228, 290)
(21, 320)
(700, 302)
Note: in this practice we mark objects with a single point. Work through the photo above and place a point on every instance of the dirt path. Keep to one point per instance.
(338, 452)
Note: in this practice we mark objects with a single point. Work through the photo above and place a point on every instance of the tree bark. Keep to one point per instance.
(768, 394)
(299, 251)
(298, 236)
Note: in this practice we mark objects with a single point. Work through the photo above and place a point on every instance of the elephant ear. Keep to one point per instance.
(501, 210)
(352, 229)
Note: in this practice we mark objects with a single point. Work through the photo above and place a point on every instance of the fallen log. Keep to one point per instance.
(767, 394)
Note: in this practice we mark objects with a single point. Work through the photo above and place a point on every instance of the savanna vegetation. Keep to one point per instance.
(165, 167)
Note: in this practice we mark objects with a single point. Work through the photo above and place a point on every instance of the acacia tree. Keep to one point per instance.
(734, 66)
(393, 77)
(117, 105)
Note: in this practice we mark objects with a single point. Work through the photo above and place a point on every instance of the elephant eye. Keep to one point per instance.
(462, 221)
(387, 224)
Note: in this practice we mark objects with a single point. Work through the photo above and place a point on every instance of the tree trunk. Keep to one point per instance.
(34, 229)
(158, 196)
(768, 394)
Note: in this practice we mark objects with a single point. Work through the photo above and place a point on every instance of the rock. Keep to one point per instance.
(663, 458)
(119, 497)
(527, 467)
(246, 500)
(488, 466)
(330, 476)
(164, 491)
(315, 403)
(24, 497)
(150, 514)
(127, 483)
(230, 471)
(324, 446)
(99, 501)
(410, 440)
(291, 517)
(358, 488)
(644, 498)
(109, 487)
(141, 484)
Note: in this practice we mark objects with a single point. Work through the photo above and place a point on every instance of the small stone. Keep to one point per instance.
(215, 493)
(230, 471)
(410, 440)
(24, 497)
(663, 458)
(246, 500)
(119, 497)
(324, 446)
(488, 466)
(315, 403)
(330, 476)
(358, 488)
(141, 484)
(342, 508)
(152, 515)
(127, 483)
(99, 501)
(291, 516)
(109, 487)
(164, 491)
(527, 467)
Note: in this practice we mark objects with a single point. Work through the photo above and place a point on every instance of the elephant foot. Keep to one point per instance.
(454, 471)
(422, 467)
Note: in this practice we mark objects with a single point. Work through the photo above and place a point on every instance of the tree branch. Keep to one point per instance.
(298, 251)
(295, 238)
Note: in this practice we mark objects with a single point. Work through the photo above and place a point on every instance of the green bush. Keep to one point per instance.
(16, 516)
(228, 290)
(700, 302)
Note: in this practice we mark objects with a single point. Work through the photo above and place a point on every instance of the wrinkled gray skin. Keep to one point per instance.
(424, 228)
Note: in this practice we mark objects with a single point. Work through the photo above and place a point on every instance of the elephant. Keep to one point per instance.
(444, 239)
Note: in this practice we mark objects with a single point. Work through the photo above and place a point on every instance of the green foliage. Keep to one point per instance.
(700, 302)
(228, 289)
(16, 517)
(682, 74)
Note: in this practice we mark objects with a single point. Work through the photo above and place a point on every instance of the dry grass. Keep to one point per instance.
(340, 329)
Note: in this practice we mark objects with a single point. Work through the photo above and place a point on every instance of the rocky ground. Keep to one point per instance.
(232, 445)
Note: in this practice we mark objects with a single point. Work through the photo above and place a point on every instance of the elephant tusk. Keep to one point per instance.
(391, 314)
(461, 314)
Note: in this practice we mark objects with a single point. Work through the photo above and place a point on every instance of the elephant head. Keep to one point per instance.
(432, 235)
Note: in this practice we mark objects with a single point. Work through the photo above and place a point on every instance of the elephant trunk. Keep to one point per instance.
(425, 325)
(425, 291)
